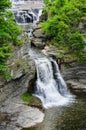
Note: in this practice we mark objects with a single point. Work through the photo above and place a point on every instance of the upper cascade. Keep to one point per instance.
(27, 13)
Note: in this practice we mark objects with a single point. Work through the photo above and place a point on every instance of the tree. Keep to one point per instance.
(62, 25)
(9, 32)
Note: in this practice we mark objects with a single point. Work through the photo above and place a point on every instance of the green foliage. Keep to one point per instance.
(4, 4)
(62, 25)
(26, 97)
(9, 32)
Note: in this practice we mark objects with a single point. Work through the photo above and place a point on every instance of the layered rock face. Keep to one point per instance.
(22, 70)
(76, 71)
(75, 75)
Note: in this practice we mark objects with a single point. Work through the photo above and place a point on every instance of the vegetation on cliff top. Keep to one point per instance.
(62, 24)
(9, 32)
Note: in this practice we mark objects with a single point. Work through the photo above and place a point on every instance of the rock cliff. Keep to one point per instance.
(22, 70)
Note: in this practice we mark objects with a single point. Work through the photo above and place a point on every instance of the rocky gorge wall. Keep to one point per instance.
(22, 70)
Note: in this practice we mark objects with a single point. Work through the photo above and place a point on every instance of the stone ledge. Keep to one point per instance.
(16, 116)
(76, 85)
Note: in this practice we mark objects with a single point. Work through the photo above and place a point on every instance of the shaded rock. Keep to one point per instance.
(2, 81)
(37, 26)
(76, 86)
(74, 70)
(4, 117)
(36, 102)
(31, 85)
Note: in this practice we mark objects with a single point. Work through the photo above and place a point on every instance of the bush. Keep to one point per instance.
(9, 32)
(62, 25)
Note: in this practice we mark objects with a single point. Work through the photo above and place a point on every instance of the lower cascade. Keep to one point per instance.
(50, 87)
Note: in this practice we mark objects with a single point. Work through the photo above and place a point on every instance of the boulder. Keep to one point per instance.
(19, 116)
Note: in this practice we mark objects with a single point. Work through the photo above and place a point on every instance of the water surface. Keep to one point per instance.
(70, 117)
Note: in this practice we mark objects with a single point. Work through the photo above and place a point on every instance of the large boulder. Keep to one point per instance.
(18, 116)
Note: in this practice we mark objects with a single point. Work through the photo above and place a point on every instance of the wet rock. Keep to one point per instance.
(38, 37)
(31, 85)
(36, 102)
(38, 42)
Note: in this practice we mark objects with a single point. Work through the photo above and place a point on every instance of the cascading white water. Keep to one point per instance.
(24, 13)
(27, 13)
(50, 86)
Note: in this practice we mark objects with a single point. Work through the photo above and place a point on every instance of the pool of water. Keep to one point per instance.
(70, 117)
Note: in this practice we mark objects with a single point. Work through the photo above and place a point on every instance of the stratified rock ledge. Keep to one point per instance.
(76, 86)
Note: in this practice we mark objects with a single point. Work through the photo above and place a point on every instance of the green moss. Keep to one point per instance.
(18, 62)
(26, 97)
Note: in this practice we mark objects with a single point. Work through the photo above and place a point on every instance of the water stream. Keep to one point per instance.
(69, 117)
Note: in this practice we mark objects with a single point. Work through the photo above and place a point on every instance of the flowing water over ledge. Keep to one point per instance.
(49, 87)
(70, 117)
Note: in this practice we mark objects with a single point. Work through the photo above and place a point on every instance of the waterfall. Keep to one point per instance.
(25, 11)
(50, 87)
